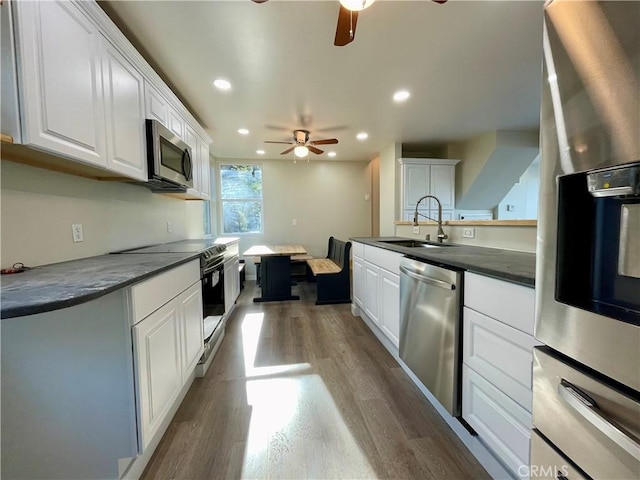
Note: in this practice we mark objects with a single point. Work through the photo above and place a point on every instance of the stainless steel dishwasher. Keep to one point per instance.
(430, 313)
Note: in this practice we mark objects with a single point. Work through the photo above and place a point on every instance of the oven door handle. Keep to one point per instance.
(588, 409)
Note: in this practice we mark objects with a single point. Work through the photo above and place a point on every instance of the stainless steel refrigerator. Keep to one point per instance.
(586, 387)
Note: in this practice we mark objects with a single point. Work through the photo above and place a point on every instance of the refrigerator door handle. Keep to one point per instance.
(429, 280)
(589, 410)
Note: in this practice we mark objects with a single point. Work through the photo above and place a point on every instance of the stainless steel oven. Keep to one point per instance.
(586, 387)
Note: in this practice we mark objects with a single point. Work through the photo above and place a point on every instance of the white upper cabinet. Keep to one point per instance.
(205, 170)
(82, 92)
(59, 70)
(176, 123)
(156, 107)
(442, 181)
(124, 106)
(422, 177)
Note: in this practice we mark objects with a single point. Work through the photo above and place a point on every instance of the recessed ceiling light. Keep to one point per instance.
(332, 154)
(260, 152)
(243, 131)
(362, 136)
(401, 96)
(222, 84)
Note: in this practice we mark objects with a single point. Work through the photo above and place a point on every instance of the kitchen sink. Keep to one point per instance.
(416, 243)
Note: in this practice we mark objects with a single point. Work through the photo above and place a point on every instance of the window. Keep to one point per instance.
(241, 198)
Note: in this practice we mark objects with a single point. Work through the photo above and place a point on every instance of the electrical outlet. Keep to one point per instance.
(469, 232)
(76, 229)
(366, 197)
(294, 222)
(416, 229)
(169, 227)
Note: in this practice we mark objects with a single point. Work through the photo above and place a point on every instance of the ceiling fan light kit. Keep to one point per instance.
(301, 151)
(356, 5)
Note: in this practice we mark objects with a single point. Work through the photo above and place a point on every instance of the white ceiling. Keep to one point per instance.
(471, 67)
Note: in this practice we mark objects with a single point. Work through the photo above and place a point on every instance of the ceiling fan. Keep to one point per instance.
(301, 144)
(348, 18)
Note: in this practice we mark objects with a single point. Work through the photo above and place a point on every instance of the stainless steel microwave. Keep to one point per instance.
(168, 158)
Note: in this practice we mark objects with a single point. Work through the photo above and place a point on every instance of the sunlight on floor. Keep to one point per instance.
(296, 429)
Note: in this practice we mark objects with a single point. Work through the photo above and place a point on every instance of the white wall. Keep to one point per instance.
(325, 197)
(389, 187)
(38, 207)
(522, 200)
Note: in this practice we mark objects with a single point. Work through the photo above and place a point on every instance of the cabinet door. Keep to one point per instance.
(176, 123)
(61, 83)
(191, 139)
(442, 185)
(416, 184)
(156, 106)
(159, 376)
(358, 280)
(205, 170)
(371, 287)
(231, 283)
(390, 305)
(500, 422)
(191, 324)
(124, 106)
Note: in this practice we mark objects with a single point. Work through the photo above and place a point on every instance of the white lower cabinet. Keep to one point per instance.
(376, 287)
(358, 272)
(371, 290)
(231, 283)
(390, 305)
(168, 341)
(500, 422)
(191, 329)
(497, 367)
(157, 354)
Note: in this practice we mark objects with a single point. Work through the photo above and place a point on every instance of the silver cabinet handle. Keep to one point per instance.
(589, 410)
(429, 280)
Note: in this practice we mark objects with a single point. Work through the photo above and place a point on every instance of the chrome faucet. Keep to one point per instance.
(441, 235)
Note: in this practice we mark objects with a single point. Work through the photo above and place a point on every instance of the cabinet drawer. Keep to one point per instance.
(150, 294)
(507, 302)
(383, 258)
(500, 422)
(500, 353)
(357, 249)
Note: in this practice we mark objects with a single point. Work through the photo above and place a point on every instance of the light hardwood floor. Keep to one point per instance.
(303, 391)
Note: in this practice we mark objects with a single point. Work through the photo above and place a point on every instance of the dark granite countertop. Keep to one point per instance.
(509, 265)
(61, 285)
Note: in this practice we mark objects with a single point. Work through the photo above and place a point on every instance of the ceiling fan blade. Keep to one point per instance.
(258, 1)
(327, 141)
(288, 150)
(285, 143)
(437, 1)
(331, 129)
(315, 150)
(277, 127)
(346, 29)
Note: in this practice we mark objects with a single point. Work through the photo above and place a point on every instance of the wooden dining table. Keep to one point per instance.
(275, 270)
